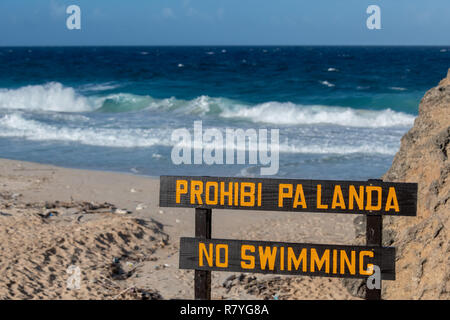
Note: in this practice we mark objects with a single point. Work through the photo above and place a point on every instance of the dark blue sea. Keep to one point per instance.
(340, 111)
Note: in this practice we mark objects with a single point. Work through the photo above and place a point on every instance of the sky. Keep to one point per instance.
(224, 22)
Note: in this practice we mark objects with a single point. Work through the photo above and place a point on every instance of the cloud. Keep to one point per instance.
(56, 9)
(167, 13)
(186, 3)
(191, 12)
(220, 13)
(203, 16)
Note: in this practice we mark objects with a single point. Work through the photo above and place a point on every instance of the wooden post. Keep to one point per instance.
(374, 229)
(203, 230)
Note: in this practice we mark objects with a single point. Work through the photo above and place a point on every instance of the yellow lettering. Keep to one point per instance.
(228, 194)
(338, 194)
(345, 261)
(267, 256)
(282, 194)
(293, 258)
(215, 185)
(179, 190)
(219, 263)
(319, 198)
(391, 202)
(320, 262)
(196, 192)
(259, 194)
(299, 193)
(355, 196)
(363, 271)
(250, 194)
(208, 254)
(251, 259)
(334, 261)
(281, 258)
(369, 205)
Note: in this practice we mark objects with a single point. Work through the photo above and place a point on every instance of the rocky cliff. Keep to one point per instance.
(422, 242)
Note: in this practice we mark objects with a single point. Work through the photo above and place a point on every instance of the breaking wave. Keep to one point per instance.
(52, 96)
(291, 114)
(18, 126)
(15, 125)
(57, 98)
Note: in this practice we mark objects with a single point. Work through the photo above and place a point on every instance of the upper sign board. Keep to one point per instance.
(328, 196)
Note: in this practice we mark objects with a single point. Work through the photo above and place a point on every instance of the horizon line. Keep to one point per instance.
(230, 45)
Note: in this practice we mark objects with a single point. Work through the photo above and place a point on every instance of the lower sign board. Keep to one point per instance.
(286, 258)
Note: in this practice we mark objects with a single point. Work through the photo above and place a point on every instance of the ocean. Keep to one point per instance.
(340, 111)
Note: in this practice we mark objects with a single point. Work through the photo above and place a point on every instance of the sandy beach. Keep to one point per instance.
(80, 234)
(303, 140)
(110, 226)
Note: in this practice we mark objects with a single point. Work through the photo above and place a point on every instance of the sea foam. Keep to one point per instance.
(57, 98)
(292, 114)
(52, 96)
(15, 125)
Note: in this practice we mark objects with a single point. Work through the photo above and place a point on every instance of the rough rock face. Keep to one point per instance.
(422, 242)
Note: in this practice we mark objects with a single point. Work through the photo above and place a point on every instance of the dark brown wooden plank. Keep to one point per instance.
(263, 194)
(230, 255)
(202, 278)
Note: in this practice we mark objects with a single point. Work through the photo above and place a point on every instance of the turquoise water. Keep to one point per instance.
(340, 111)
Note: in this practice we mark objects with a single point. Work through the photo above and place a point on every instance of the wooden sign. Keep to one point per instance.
(373, 197)
(286, 258)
